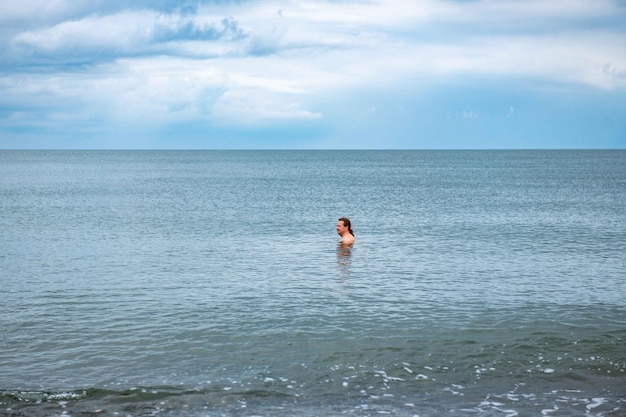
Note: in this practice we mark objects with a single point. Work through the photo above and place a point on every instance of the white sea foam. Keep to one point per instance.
(595, 402)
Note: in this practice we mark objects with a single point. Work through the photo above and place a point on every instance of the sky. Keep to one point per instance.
(291, 74)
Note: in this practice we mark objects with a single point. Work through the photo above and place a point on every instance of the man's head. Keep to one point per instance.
(343, 226)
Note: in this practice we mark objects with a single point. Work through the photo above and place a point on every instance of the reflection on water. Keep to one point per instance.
(344, 259)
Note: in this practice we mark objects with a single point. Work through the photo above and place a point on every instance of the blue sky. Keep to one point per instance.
(394, 74)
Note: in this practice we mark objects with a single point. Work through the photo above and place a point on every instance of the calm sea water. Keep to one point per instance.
(210, 283)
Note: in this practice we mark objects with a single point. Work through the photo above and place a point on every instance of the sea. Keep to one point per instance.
(211, 283)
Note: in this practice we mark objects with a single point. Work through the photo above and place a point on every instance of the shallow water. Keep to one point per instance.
(209, 283)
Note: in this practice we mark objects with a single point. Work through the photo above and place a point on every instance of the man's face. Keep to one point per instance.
(341, 228)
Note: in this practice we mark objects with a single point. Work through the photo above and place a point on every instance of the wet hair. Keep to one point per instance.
(346, 222)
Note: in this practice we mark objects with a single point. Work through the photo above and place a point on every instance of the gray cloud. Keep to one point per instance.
(96, 39)
(185, 29)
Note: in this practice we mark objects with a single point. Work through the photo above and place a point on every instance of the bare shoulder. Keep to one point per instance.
(347, 239)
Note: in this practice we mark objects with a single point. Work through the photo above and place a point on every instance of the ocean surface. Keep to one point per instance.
(211, 283)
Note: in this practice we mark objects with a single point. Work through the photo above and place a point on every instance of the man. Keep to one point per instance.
(344, 230)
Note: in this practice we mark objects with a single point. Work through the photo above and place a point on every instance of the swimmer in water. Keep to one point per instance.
(344, 230)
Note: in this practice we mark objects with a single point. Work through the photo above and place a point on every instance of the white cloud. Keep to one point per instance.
(244, 107)
(127, 34)
(469, 114)
(40, 11)
(119, 33)
(251, 62)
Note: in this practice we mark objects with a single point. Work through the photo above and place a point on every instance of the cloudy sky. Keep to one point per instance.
(343, 74)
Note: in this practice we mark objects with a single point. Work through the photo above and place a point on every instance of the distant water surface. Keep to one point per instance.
(206, 283)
